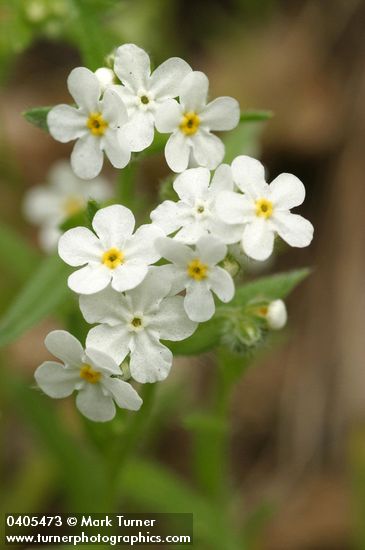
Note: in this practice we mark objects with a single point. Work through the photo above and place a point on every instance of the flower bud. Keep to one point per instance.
(276, 315)
(105, 76)
(231, 265)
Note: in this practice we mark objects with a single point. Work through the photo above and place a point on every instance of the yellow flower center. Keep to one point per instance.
(72, 205)
(89, 374)
(96, 124)
(137, 322)
(112, 258)
(189, 123)
(197, 270)
(264, 208)
(145, 100)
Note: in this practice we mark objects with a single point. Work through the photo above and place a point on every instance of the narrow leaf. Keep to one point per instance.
(38, 117)
(41, 295)
(17, 257)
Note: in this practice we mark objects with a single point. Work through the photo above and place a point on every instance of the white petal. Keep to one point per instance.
(258, 240)
(89, 279)
(286, 191)
(114, 341)
(64, 346)
(249, 175)
(233, 208)
(194, 91)
(139, 131)
(166, 79)
(172, 322)
(84, 87)
(123, 394)
(175, 277)
(107, 306)
(55, 380)
(293, 229)
(150, 292)
(168, 116)
(79, 246)
(211, 250)
(102, 362)
(132, 66)
(87, 157)
(221, 114)
(150, 361)
(48, 238)
(93, 404)
(199, 303)
(41, 205)
(66, 123)
(113, 109)
(127, 95)
(192, 184)
(175, 252)
(228, 234)
(129, 275)
(167, 216)
(177, 152)
(208, 149)
(222, 284)
(222, 179)
(113, 225)
(116, 149)
(191, 232)
(142, 244)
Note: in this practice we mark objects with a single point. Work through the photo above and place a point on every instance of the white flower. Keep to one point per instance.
(106, 77)
(113, 255)
(194, 215)
(276, 315)
(135, 324)
(92, 373)
(196, 272)
(65, 195)
(95, 124)
(191, 122)
(142, 92)
(264, 209)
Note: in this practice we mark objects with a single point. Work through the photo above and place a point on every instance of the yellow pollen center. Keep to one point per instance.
(137, 322)
(264, 208)
(112, 258)
(73, 205)
(190, 123)
(96, 124)
(89, 374)
(144, 100)
(197, 270)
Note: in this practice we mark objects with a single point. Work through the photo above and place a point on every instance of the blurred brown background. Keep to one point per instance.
(298, 418)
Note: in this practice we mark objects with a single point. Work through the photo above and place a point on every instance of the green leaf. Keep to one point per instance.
(207, 336)
(16, 256)
(83, 477)
(255, 116)
(204, 338)
(93, 41)
(42, 294)
(38, 117)
(273, 287)
(155, 487)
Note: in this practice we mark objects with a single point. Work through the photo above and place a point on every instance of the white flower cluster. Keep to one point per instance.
(137, 301)
(121, 118)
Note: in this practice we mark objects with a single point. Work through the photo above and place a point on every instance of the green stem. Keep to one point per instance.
(133, 434)
(126, 185)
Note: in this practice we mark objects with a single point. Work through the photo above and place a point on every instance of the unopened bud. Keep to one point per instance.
(231, 265)
(126, 373)
(106, 77)
(276, 315)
